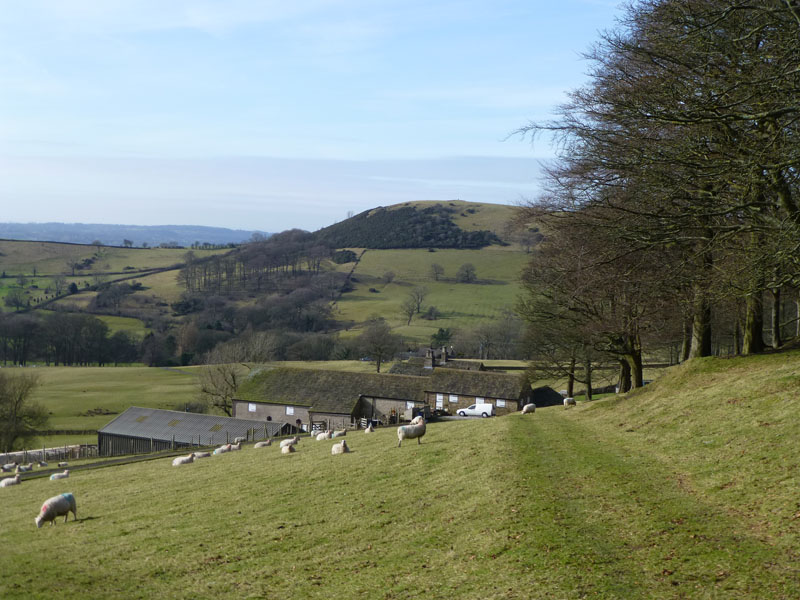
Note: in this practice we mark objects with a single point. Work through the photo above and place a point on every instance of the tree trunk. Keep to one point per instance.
(624, 377)
(753, 324)
(588, 377)
(776, 318)
(634, 361)
(571, 378)
(737, 336)
(686, 346)
(701, 325)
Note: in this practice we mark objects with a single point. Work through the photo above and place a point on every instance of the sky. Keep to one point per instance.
(269, 114)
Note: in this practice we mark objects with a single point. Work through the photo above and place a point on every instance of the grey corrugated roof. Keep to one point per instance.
(163, 424)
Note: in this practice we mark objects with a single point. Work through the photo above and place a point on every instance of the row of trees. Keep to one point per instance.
(673, 210)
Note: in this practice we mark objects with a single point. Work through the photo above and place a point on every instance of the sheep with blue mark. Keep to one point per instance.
(416, 429)
(62, 475)
(63, 504)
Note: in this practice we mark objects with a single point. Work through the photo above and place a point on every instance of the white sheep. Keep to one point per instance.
(8, 481)
(340, 448)
(61, 465)
(234, 447)
(183, 460)
(290, 441)
(56, 506)
(529, 408)
(287, 449)
(325, 435)
(263, 444)
(239, 440)
(201, 455)
(63, 475)
(369, 428)
(42, 463)
(340, 433)
(568, 401)
(222, 449)
(408, 432)
(8, 467)
(24, 468)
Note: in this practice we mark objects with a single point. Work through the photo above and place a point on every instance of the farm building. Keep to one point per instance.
(450, 389)
(141, 430)
(435, 358)
(334, 399)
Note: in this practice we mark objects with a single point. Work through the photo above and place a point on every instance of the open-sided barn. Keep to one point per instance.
(140, 430)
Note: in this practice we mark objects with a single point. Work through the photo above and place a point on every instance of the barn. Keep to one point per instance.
(448, 390)
(141, 430)
(331, 399)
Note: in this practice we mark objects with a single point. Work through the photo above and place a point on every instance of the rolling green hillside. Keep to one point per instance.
(687, 489)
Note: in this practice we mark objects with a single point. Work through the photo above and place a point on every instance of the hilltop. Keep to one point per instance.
(686, 488)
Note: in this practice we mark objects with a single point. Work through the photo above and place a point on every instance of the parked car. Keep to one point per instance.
(477, 410)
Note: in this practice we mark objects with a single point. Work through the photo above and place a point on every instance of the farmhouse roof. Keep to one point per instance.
(186, 427)
(327, 391)
(477, 383)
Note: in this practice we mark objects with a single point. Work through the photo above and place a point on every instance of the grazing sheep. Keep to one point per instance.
(10, 481)
(55, 507)
(287, 449)
(63, 475)
(222, 449)
(569, 402)
(239, 440)
(409, 432)
(369, 428)
(263, 444)
(290, 441)
(201, 455)
(529, 408)
(61, 465)
(183, 460)
(340, 448)
(340, 433)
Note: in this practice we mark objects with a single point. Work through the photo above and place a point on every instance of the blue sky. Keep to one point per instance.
(262, 114)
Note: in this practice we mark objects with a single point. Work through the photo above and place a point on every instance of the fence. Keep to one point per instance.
(50, 454)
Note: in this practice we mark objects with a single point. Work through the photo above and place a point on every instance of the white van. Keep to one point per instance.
(477, 410)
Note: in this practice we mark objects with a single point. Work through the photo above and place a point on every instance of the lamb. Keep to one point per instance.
(63, 475)
(61, 465)
(263, 444)
(408, 432)
(340, 448)
(290, 441)
(287, 449)
(55, 507)
(569, 402)
(222, 449)
(183, 460)
(201, 455)
(325, 435)
(529, 408)
(369, 428)
(339, 433)
(8, 481)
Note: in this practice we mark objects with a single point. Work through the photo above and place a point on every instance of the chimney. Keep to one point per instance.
(428, 358)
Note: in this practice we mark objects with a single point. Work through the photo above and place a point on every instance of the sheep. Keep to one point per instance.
(42, 463)
(8, 481)
(263, 444)
(568, 401)
(340, 433)
(325, 435)
(239, 440)
(222, 449)
(55, 507)
(8, 467)
(24, 468)
(529, 408)
(369, 428)
(234, 447)
(61, 465)
(340, 448)
(287, 449)
(290, 441)
(201, 455)
(409, 432)
(416, 420)
(183, 460)
(63, 475)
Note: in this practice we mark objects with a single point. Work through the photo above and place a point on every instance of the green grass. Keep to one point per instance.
(461, 304)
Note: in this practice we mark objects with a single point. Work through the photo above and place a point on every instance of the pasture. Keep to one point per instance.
(617, 498)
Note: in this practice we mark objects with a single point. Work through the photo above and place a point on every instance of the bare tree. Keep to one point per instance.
(437, 271)
(408, 308)
(378, 341)
(466, 273)
(20, 418)
(418, 295)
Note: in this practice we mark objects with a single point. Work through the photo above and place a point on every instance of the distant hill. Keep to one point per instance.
(114, 235)
(415, 225)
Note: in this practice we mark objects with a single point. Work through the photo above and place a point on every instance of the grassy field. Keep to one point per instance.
(461, 304)
(684, 490)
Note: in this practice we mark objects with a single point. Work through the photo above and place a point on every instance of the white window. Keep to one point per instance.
(439, 397)
(409, 405)
(501, 404)
(453, 399)
(290, 410)
(251, 407)
(479, 400)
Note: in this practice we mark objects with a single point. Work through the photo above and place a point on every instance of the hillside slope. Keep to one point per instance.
(620, 498)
